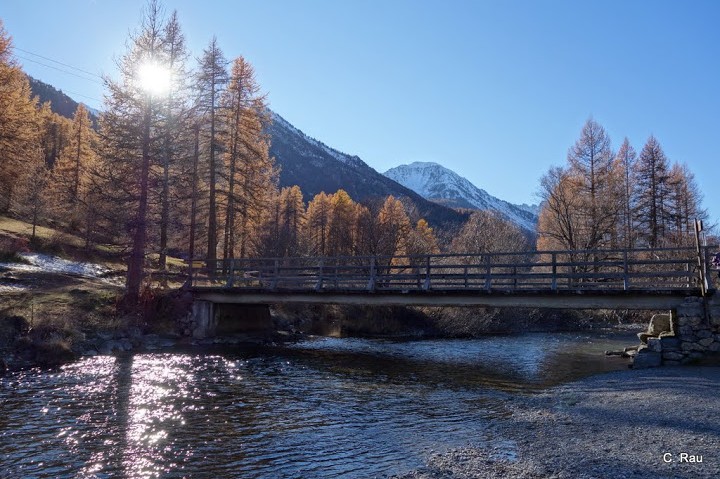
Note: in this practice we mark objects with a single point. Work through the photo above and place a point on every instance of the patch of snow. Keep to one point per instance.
(11, 288)
(52, 264)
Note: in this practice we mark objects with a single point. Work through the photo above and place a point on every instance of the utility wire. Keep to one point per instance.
(61, 70)
(58, 62)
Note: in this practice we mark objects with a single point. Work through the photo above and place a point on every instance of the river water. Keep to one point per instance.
(322, 408)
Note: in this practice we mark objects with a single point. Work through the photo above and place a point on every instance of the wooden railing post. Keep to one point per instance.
(488, 272)
(626, 275)
(319, 284)
(231, 274)
(426, 286)
(553, 286)
(276, 273)
(373, 275)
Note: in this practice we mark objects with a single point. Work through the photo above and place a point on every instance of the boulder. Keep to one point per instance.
(647, 359)
(654, 344)
(670, 343)
(659, 323)
(672, 356)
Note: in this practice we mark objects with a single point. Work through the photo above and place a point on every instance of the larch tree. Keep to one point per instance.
(131, 136)
(317, 225)
(175, 129)
(684, 200)
(591, 161)
(248, 175)
(211, 80)
(19, 128)
(393, 228)
(625, 160)
(651, 189)
(343, 225)
(71, 175)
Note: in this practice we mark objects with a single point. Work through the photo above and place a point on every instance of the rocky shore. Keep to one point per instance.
(658, 423)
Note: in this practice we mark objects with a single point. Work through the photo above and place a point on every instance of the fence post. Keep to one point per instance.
(554, 272)
(319, 284)
(426, 286)
(276, 273)
(231, 274)
(626, 276)
(488, 271)
(373, 272)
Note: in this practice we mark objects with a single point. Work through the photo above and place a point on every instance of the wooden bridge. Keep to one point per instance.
(613, 278)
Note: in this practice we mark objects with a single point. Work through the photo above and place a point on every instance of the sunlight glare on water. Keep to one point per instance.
(323, 408)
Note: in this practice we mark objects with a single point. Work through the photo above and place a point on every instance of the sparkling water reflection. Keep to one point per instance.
(322, 408)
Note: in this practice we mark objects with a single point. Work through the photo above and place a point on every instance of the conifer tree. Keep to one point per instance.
(249, 174)
(175, 129)
(651, 189)
(19, 128)
(131, 134)
(317, 225)
(625, 159)
(211, 81)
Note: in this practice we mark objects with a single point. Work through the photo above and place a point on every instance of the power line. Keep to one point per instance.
(58, 62)
(61, 70)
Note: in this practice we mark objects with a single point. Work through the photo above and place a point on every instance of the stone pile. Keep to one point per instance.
(689, 334)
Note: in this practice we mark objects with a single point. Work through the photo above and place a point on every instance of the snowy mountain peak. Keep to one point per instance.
(442, 185)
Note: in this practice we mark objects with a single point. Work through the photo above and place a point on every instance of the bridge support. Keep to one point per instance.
(208, 319)
(694, 334)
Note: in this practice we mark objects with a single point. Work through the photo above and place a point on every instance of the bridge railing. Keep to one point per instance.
(611, 269)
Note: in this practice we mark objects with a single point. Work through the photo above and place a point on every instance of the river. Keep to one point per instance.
(321, 408)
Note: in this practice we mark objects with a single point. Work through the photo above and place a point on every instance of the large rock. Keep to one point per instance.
(647, 359)
(672, 356)
(659, 324)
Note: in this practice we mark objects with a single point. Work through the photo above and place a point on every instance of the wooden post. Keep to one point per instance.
(488, 272)
(319, 284)
(514, 270)
(426, 286)
(373, 275)
(276, 273)
(554, 272)
(626, 276)
(231, 274)
(465, 274)
(700, 261)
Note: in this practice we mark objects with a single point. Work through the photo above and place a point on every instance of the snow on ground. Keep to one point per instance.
(53, 264)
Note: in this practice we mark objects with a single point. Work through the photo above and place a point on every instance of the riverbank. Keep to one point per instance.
(650, 424)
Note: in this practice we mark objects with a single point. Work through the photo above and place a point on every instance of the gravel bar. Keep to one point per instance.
(650, 423)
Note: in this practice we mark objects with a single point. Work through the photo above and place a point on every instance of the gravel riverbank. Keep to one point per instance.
(630, 424)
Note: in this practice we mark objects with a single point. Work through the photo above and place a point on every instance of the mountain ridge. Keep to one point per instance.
(440, 184)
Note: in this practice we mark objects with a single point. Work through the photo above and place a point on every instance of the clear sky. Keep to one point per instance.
(495, 90)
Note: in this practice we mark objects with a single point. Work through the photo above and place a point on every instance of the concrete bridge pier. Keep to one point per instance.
(208, 319)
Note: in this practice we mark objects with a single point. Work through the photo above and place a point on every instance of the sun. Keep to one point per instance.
(154, 78)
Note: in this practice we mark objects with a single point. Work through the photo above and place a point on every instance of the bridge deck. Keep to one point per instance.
(633, 279)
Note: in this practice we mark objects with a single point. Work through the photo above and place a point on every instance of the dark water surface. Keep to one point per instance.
(322, 408)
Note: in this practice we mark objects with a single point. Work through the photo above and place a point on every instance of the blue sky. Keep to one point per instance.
(495, 90)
